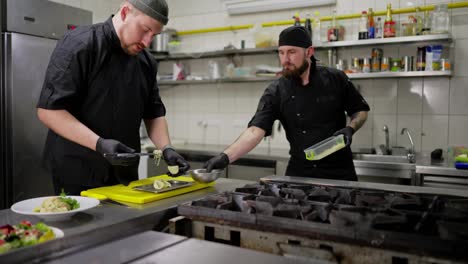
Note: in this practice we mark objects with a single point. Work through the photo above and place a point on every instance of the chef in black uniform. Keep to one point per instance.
(99, 85)
(311, 103)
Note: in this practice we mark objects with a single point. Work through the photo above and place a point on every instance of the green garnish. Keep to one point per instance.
(42, 227)
(70, 201)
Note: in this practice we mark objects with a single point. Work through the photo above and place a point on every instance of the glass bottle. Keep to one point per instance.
(371, 24)
(297, 20)
(426, 24)
(378, 28)
(308, 25)
(333, 30)
(363, 33)
(389, 25)
(316, 30)
(440, 20)
(419, 21)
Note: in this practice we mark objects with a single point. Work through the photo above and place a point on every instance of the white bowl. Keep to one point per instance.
(26, 207)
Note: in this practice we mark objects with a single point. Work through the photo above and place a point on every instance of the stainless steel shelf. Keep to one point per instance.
(224, 80)
(372, 75)
(211, 54)
(381, 41)
(254, 51)
(375, 75)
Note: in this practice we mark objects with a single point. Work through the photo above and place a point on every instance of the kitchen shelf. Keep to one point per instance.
(223, 80)
(382, 41)
(376, 75)
(211, 54)
(353, 76)
(269, 50)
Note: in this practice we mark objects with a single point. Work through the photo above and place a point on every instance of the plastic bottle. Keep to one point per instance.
(389, 25)
(363, 33)
(316, 30)
(371, 23)
(378, 28)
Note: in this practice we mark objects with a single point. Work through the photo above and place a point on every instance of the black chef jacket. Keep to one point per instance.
(109, 91)
(310, 114)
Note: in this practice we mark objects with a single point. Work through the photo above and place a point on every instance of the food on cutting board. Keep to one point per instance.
(55, 204)
(23, 234)
(159, 184)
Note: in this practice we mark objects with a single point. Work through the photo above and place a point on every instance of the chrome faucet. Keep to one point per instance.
(411, 153)
(387, 140)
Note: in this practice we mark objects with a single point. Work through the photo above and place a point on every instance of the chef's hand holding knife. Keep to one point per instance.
(173, 158)
(217, 162)
(111, 146)
(347, 132)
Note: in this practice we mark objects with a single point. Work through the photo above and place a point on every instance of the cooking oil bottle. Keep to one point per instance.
(389, 25)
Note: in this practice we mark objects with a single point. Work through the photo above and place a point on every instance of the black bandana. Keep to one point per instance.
(295, 36)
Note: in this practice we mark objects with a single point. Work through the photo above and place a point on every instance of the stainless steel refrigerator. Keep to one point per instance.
(30, 29)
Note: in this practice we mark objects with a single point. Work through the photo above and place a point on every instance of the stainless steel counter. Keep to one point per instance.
(156, 247)
(369, 185)
(104, 223)
(423, 163)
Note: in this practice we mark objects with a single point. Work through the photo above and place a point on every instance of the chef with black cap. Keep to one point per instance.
(311, 102)
(100, 84)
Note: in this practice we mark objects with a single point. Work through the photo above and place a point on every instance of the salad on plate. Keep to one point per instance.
(24, 234)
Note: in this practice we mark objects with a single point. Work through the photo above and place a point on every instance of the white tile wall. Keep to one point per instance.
(410, 96)
(436, 96)
(461, 57)
(435, 132)
(384, 95)
(458, 127)
(434, 109)
(459, 96)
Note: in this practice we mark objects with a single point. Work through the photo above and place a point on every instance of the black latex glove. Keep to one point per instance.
(348, 134)
(173, 158)
(217, 162)
(110, 147)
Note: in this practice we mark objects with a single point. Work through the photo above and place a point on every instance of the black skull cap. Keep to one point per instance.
(295, 36)
(156, 9)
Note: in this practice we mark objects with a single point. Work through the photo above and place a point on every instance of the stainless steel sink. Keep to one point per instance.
(381, 158)
(394, 169)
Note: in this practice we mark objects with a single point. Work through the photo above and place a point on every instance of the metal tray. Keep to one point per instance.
(174, 186)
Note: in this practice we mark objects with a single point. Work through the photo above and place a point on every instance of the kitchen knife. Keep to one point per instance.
(128, 155)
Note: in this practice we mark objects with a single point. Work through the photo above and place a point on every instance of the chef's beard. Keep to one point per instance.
(296, 73)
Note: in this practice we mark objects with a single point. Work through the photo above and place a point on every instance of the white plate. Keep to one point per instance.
(58, 232)
(26, 207)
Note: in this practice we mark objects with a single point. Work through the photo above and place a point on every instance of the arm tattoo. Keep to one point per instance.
(358, 119)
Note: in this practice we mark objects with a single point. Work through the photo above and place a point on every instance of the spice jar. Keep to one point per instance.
(385, 65)
(366, 65)
(445, 65)
(396, 65)
(375, 65)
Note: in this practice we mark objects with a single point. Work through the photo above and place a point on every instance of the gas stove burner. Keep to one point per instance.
(452, 230)
(407, 222)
